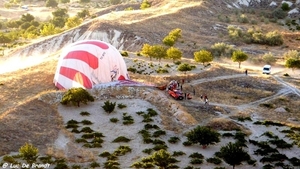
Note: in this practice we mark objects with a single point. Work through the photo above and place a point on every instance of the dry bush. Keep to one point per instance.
(224, 124)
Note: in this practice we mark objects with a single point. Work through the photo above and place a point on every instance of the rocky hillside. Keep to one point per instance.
(201, 23)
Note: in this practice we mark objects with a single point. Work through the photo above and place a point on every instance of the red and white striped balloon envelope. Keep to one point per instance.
(87, 63)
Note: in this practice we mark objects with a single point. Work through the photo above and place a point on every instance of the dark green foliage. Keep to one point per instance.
(184, 67)
(270, 134)
(196, 161)
(111, 164)
(71, 126)
(187, 143)
(114, 120)
(51, 3)
(76, 96)
(97, 140)
(46, 159)
(244, 119)
(121, 106)
(178, 153)
(147, 118)
(9, 159)
(295, 161)
(281, 143)
(124, 53)
(214, 160)
(273, 157)
(140, 112)
(157, 141)
(160, 146)
(86, 122)
(127, 119)
(105, 154)
(227, 135)
(285, 6)
(196, 155)
(159, 133)
(109, 106)
(94, 164)
(91, 135)
(132, 69)
(121, 139)
(203, 135)
(61, 166)
(122, 150)
(81, 140)
(75, 130)
(150, 126)
(233, 154)
(151, 112)
(148, 151)
(268, 166)
(86, 130)
(267, 123)
(84, 113)
(173, 140)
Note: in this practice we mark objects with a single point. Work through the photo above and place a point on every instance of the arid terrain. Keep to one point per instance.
(29, 103)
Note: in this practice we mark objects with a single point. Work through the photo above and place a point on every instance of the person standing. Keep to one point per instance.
(206, 100)
(246, 72)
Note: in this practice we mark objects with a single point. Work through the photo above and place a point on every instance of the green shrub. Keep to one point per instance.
(114, 120)
(196, 161)
(178, 153)
(94, 164)
(105, 154)
(121, 106)
(124, 53)
(286, 74)
(214, 160)
(148, 151)
(150, 126)
(159, 133)
(75, 166)
(196, 155)
(203, 135)
(132, 69)
(187, 143)
(76, 96)
(28, 152)
(9, 159)
(81, 140)
(173, 140)
(121, 139)
(127, 119)
(86, 130)
(84, 113)
(109, 106)
(86, 122)
(122, 150)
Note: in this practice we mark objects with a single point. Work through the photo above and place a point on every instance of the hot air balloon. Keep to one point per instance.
(87, 63)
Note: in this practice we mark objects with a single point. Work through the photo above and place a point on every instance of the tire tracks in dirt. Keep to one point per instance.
(286, 89)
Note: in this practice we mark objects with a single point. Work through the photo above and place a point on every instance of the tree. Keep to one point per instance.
(48, 29)
(109, 106)
(28, 152)
(73, 22)
(292, 63)
(51, 3)
(176, 33)
(203, 135)
(203, 56)
(76, 96)
(233, 154)
(174, 53)
(239, 56)
(184, 67)
(61, 12)
(84, 13)
(58, 22)
(269, 58)
(146, 51)
(27, 17)
(169, 40)
(145, 4)
(158, 52)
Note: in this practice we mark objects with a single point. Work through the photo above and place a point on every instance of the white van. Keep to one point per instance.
(267, 69)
